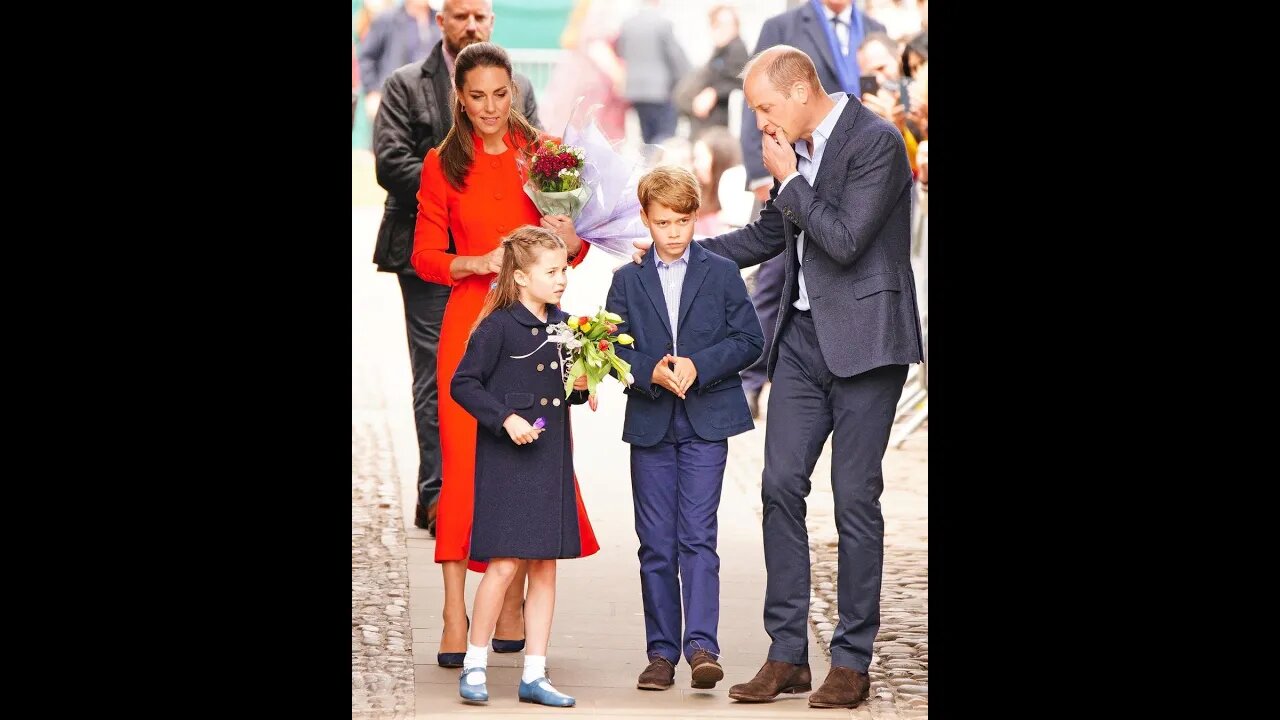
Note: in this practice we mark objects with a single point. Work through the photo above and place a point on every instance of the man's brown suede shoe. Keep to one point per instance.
(843, 688)
(706, 671)
(774, 677)
(660, 675)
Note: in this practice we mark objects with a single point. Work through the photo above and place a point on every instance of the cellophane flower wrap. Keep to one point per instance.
(608, 215)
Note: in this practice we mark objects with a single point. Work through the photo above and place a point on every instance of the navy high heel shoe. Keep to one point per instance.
(509, 646)
(454, 660)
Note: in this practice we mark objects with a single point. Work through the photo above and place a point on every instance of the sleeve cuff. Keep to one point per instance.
(760, 182)
(788, 179)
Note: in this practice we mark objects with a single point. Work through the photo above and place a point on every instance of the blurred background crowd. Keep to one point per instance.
(665, 72)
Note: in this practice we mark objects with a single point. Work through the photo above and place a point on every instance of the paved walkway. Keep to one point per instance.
(597, 646)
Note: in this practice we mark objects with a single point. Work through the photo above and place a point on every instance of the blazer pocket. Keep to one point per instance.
(869, 286)
(518, 401)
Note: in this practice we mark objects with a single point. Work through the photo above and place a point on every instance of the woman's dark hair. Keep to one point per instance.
(457, 150)
(920, 46)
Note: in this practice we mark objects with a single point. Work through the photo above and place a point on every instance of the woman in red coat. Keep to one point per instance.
(472, 186)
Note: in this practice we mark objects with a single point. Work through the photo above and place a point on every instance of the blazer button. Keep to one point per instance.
(556, 402)
(540, 366)
(544, 401)
(554, 365)
(533, 331)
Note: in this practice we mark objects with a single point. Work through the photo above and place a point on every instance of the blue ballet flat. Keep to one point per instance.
(507, 646)
(472, 693)
(539, 691)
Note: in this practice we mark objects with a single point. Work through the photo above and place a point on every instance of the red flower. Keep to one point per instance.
(613, 329)
(584, 320)
(604, 345)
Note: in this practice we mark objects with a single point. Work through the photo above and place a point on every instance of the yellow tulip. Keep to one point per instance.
(613, 317)
(625, 339)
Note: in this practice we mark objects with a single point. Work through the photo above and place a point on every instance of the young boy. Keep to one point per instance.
(695, 329)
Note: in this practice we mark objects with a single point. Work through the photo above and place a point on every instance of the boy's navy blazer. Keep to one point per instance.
(719, 332)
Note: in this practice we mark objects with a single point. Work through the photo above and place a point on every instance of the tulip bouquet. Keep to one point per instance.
(589, 344)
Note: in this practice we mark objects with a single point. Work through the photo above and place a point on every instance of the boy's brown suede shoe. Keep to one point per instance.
(706, 671)
(660, 675)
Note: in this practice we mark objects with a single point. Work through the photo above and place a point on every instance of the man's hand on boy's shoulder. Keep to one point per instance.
(642, 248)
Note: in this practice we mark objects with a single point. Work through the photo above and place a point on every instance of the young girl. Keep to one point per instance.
(526, 506)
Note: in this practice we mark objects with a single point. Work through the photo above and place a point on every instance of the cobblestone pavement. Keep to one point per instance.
(381, 636)
(381, 651)
(900, 663)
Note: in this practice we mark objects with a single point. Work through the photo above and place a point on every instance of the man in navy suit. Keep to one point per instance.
(829, 32)
(694, 331)
(849, 325)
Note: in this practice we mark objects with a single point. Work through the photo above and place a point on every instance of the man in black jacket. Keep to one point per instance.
(414, 116)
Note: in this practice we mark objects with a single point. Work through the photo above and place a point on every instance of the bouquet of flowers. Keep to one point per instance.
(588, 343)
(555, 179)
(588, 179)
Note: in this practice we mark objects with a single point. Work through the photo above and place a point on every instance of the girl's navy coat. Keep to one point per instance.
(525, 501)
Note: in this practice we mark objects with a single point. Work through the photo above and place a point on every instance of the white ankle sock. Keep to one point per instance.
(477, 657)
(535, 666)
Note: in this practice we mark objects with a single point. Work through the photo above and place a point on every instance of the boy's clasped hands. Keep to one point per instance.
(675, 374)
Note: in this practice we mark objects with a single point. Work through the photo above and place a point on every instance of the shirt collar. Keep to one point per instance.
(845, 15)
(825, 128)
(683, 258)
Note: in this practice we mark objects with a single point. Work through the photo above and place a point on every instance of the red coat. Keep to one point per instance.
(492, 205)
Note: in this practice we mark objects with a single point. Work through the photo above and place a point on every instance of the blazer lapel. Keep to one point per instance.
(653, 286)
(693, 277)
(839, 136)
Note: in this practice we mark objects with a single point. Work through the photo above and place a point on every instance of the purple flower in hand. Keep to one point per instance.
(540, 424)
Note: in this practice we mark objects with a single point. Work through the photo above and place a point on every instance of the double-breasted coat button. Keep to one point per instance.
(533, 331)
(544, 401)
(540, 366)
(554, 365)
(556, 402)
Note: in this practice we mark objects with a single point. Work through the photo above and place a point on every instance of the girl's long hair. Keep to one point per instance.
(523, 246)
(457, 150)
